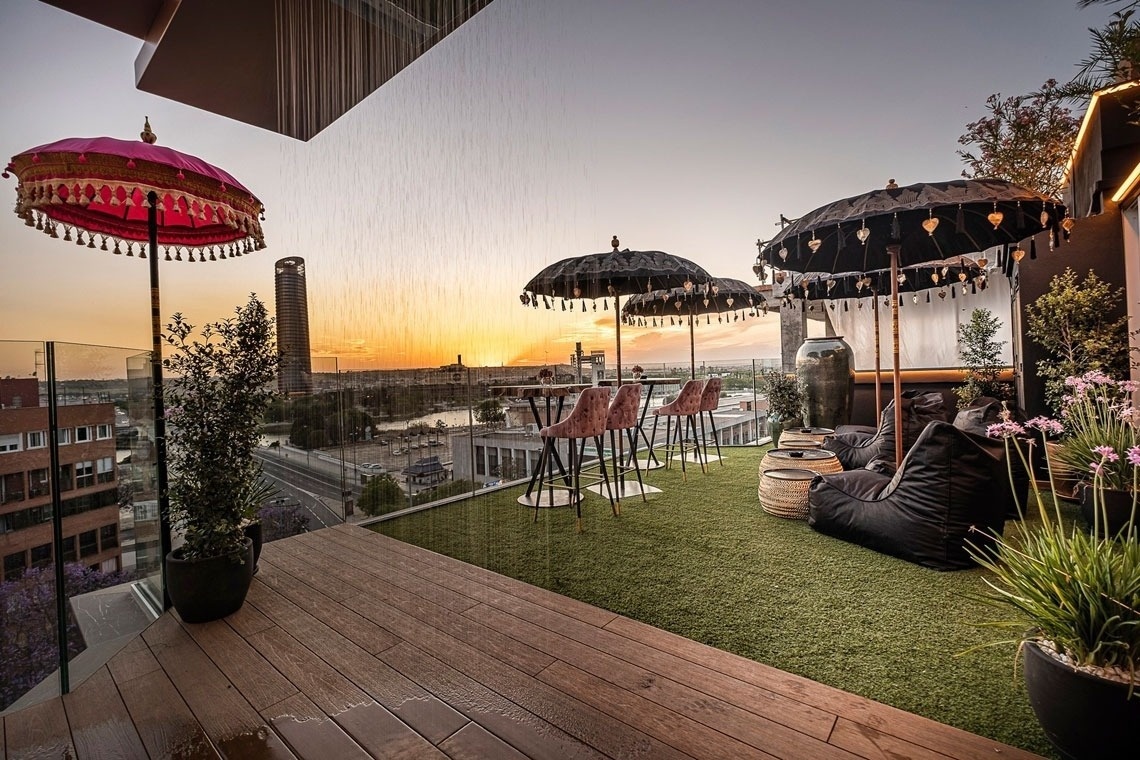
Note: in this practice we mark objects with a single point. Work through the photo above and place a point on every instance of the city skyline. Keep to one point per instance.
(535, 132)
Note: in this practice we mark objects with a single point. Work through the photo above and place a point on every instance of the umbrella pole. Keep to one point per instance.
(894, 251)
(878, 357)
(692, 351)
(156, 382)
(617, 322)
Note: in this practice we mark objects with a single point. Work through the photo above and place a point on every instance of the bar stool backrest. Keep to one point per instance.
(587, 419)
(623, 409)
(710, 396)
(688, 401)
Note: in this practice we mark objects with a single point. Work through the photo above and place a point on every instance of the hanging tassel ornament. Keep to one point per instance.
(1032, 248)
(1020, 216)
(896, 233)
(605, 306)
(960, 220)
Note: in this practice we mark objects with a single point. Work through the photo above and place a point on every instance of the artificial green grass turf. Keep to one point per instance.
(703, 560)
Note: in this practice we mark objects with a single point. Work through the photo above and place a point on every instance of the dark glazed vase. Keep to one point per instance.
(825, 370)
(1084, 716)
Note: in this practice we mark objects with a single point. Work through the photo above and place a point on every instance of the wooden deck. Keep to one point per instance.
(354, 645)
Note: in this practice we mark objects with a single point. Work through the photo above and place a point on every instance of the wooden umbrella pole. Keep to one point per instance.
(894, 252)
(617, 321)
(692, 351)
(878, 357)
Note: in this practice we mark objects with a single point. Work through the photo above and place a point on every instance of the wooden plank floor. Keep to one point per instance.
(355, 645)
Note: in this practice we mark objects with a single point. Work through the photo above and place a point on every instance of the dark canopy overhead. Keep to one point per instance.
(718, 295)
(931, 221)
(616, 273)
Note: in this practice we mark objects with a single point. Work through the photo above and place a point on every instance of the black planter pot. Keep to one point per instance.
(208, 589)
(1083, 716)
(253, 532)
(1117, 509)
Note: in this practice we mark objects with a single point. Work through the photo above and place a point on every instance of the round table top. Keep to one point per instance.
(790, 473)
(814, 455)
(811, 430)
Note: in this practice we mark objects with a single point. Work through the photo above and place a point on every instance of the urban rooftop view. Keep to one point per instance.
(583, 380)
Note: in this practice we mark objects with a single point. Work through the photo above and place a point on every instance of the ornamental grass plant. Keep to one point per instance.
(1076, 593)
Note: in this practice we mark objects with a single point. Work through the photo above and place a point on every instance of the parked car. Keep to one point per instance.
(383, 442)
(372, 466)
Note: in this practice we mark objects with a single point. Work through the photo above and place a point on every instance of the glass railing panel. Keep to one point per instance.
(87, 519)
(113, 560)
(29, 645)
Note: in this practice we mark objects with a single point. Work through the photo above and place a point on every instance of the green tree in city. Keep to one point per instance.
(1073, 323)
(490, 412)
(382, 494)
(445, 490)
(1025, 139)
(980, 354)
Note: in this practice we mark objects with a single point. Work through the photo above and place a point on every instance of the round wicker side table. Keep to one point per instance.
(806, 436)
(784, 492)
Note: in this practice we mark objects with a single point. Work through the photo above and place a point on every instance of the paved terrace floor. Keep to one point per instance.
(355, 645)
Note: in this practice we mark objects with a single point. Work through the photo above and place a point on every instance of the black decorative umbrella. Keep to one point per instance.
(900, 226)
(720, 296)
(613, 274)
(948, 278)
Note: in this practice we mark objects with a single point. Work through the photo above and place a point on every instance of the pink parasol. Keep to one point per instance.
(127, 192)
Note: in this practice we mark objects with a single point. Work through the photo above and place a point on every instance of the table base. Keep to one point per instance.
(628, 490)
(557, 497)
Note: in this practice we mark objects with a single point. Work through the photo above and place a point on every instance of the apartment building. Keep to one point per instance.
(87, 478)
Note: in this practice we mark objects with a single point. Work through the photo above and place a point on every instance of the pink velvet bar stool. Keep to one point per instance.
(623, 417)
(587, 420)
(710, 400)
(685, 408)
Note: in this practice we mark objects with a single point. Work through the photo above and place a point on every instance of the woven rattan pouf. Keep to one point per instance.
(784, 492)
(804, 436)
(823, 462)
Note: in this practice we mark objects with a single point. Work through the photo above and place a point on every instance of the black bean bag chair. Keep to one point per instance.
(855, 450)
(976, 418)
(952, 488)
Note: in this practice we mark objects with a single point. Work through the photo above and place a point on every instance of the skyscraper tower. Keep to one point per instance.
(295, 375)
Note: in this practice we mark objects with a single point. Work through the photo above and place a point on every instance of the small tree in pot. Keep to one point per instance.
(215, 404)
(784, 401)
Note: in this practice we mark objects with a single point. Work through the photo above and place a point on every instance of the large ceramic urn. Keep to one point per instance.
(825, 370)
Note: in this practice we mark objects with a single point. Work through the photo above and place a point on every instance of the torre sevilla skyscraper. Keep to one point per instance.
(295, 375)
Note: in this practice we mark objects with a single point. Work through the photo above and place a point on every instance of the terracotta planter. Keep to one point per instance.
(208, 589)
(1065, 478)
(1083, 715)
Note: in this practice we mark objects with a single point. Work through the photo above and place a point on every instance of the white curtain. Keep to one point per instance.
(928, 332)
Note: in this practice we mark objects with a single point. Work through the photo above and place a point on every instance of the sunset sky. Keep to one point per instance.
(537, 131)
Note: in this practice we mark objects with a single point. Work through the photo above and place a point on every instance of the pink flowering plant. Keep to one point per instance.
(1075, 593)
(1100, 431)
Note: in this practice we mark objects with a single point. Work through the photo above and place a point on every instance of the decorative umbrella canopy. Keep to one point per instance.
(719, 296)
(102, 186)
(927, 221)
(908, 225)
(612, 274)
(130, 192)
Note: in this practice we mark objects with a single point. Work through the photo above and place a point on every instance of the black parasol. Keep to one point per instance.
(612, 274)
(720, 296)
(900, 226)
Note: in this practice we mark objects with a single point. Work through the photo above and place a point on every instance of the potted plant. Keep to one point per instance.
(1099, 442)
(980, 353)
(784, 401)
(1077, 598)
(219, 389)
(1074, 323)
